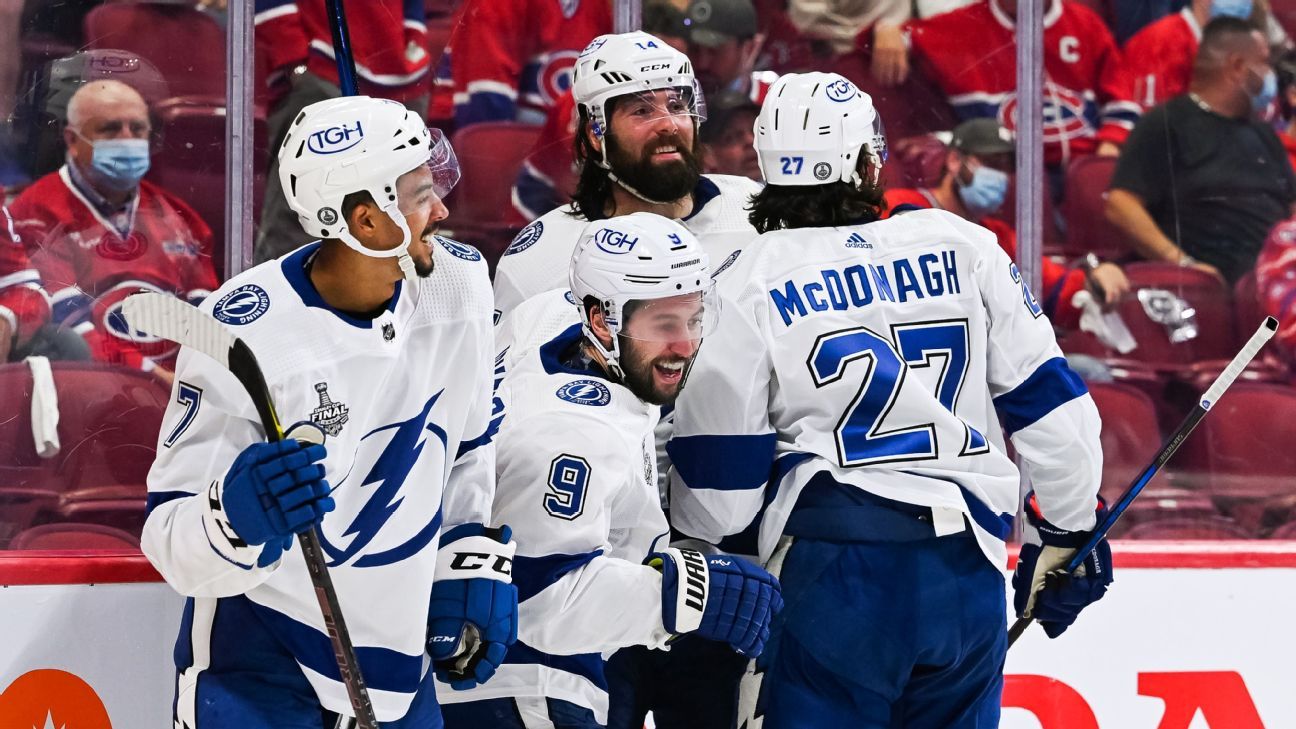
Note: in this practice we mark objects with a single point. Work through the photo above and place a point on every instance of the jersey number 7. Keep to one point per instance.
(860, 435)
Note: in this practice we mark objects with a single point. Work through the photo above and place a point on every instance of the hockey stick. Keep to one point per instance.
(166, 316)
(1204, 404)
(342, 47)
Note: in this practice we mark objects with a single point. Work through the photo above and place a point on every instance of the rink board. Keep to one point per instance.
(1191, 636)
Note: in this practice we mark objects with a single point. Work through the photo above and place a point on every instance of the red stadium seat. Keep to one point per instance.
(1286, 531)
(1130, 437)
(109, 420)
(491, 155)
(186, 44)
(75, 536)
(1215, 338)
(1243, 454)
(1087, 180)
(1179, 528)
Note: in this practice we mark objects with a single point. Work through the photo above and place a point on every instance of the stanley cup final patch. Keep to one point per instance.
(330, 416)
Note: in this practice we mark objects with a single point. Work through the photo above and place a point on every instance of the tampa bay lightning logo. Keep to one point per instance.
(526, 238)
(841, 90)
(383, 483)
(585, 392)
(459, 250)
(571, 298)
(243, 305)
(727, 263)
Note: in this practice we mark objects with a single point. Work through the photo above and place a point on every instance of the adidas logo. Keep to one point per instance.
(857, 241)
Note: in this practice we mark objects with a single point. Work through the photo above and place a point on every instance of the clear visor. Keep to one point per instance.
(687, 317)
(878, 143)
(432, 182)
(649, 107)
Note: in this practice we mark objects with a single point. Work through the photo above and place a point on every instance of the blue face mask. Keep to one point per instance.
(984, 195)
(1231, 9)
(1261, 100)
(119, 164)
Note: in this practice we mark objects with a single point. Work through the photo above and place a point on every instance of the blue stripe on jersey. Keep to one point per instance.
(158, 498)
(723, 462)
(1000, 525)
(533, 574)
(484, 439)
(586, 665)
(704, 192)
(72, 310)
(747, 541)
(1050, 386)
(383, 668)
(294, 269)
(485, 106)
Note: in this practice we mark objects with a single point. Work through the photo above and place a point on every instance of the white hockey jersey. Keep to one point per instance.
(883, 354)
(405, 400)
(577, 483)
(537, 259)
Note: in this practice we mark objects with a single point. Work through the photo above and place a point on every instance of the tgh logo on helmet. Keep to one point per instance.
(841, 90)
(335, 139)
(614, 241)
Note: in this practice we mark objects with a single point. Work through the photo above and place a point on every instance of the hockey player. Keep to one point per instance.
(578, 482)
(853, 389)
(638, 109)
(380, 338)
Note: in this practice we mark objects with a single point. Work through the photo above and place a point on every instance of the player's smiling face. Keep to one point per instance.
(658, 344)
(651, 142)
(423, 212)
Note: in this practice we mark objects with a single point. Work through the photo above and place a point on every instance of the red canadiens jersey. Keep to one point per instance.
(388, 41)
(1059, 282)
(89, 267)
(510, 60)
(1276, 282)
(24, 305)
(548, 175)
(1088, 94)
(1160, 57)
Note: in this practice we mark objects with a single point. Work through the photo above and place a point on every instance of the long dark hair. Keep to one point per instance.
(593, 188)
(777, 207)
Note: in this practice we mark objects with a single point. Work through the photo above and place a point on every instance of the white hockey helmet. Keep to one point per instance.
(638, 259)
(614, 65)
(358, 143)
(812, 129)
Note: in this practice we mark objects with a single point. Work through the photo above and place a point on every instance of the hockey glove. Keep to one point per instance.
(472, 619)
(1042, 590)
(720, 597)
(271, 492)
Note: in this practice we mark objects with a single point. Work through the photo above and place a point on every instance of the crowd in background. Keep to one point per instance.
(1169, 141)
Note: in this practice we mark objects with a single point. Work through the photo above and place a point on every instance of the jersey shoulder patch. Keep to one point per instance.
(585, 392)
(525, 238)
(243, 305)
(459, 250)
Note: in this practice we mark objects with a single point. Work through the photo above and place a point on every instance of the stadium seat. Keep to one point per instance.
(75, 536)
(1130, 437)
(1087, 229)
(1179, 528)
(1202, 292)
(1242, 455)
(491, 155)
(186, 44)
(1286, 531)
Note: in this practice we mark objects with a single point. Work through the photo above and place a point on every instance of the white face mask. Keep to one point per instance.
(985, 194)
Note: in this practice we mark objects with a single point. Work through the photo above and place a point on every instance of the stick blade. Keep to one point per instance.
(163, 315)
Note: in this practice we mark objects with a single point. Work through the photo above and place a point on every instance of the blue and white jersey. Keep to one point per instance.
(577, 483)
(405, 401)
(885, 355)
(537, 259)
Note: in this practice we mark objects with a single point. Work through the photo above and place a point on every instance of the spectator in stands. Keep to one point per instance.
(971, 53)
(1202, 180)
(728, 144)
(97, 232)
(973, 185)
(510, 60)
(1276, 283)
(24, 306)
(389, 44)
(724, 43)
(1285, 105)
(1160, 56)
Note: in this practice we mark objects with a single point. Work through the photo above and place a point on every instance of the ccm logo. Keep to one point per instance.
(694, 579)
(335, 139)
(653, 67)
(479, 560)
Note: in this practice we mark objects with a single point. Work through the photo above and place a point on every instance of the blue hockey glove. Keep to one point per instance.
(1042, 590)
(722, 598)
(472, 619)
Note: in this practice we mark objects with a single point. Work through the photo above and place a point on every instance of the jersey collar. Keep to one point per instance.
(703, 193)
(552, 354)
(1050, 17)
(1191, 20)
(294, 269)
